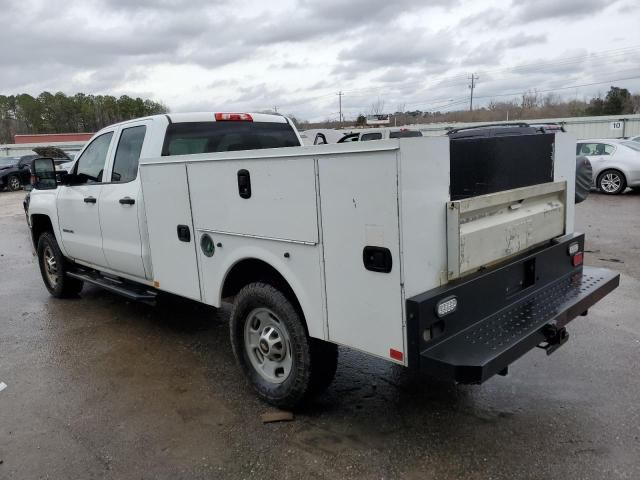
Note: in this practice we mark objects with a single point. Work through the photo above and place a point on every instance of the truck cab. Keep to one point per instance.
(98, 213)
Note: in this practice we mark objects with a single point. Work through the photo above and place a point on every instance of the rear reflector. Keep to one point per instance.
(396, 354)
(577, 259)
(233, 117)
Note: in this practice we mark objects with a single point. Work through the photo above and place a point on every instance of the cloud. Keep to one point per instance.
(529, 11)
(296, 54)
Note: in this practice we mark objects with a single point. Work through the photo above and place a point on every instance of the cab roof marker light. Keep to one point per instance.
(233, 117)
(446, 306)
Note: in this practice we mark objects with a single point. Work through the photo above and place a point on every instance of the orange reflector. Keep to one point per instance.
(396, 354)
(577, 259)
(156, 284)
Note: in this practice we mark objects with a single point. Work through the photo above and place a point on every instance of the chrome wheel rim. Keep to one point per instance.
(50, 266)
(14, 183)
(611, 182)
(268, 346)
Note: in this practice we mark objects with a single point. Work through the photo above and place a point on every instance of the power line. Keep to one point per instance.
(473, 79)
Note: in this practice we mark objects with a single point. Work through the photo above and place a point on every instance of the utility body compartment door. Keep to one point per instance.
(166, 194)
(359, 205)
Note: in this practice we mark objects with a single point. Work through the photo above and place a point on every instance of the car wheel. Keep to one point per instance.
(612, 182)
(53, 268)
(14, 183)
(271, 344)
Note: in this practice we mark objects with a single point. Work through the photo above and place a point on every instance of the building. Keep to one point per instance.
(69, 142)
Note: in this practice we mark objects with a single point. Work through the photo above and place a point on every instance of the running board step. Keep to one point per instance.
(131, 291)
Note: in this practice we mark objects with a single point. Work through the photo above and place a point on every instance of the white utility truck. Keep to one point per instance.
(453, 256)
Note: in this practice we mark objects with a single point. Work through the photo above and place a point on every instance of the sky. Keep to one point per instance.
(296, 55)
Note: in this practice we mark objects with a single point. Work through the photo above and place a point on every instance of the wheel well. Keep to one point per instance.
(39, 224)
(252, 270)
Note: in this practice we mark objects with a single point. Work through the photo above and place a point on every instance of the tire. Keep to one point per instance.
(612, 182)
(53, 267)
(13, 183)
(271, 346)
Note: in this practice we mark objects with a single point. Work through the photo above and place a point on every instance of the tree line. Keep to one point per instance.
(531, 105)
(60, 113)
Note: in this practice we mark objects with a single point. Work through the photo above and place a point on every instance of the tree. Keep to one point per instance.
(60, 113)
(616, 101)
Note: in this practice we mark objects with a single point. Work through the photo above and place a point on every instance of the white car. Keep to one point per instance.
(615, 162)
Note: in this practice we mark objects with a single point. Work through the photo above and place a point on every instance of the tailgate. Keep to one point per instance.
(489, 228)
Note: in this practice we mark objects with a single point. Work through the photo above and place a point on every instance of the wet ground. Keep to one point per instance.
(99, 387)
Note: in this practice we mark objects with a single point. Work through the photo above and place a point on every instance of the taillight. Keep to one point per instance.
(577, 259)
(33, 180)
(233, 117)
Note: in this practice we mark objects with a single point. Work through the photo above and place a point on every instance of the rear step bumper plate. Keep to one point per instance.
(488, 346)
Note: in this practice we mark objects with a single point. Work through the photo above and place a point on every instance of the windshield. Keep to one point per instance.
(8, 162)
(205, 137)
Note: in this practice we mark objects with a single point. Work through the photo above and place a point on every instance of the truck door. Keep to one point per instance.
(120, 204)
(78, 204)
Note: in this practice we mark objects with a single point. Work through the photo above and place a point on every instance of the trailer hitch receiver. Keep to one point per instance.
(555, 337)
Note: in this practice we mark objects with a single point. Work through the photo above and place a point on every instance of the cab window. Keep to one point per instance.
(90, 165)
(371, 136)
(125, 164)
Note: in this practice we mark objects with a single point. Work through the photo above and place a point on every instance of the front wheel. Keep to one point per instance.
(282, 363)
(53, 267)
(612, 182)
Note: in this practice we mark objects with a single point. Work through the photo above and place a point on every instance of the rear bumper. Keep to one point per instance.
(504, 313)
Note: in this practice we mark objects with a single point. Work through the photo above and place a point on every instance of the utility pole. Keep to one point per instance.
(473, 79)
(275, 109)
(340, 105)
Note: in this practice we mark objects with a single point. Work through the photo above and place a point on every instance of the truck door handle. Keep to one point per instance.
(244, 183)
(127, 201)
(89, 200)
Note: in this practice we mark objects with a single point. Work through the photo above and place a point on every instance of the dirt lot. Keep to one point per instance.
(99, 387)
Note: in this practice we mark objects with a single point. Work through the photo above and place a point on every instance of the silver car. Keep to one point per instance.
(615, 162)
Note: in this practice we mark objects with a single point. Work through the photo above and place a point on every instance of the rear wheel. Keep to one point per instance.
(612, 182)
(282, 363)
(14, 183)
(53, 267)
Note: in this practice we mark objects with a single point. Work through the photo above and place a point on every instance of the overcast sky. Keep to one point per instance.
(297, 54)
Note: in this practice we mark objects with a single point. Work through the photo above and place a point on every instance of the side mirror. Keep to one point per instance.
(43, 174)
(320, 139)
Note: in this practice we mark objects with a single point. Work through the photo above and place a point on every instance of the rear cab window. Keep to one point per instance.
(187, 138)
(405, 134)
(371, 136)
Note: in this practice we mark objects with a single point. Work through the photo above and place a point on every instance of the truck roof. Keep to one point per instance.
(208, 117)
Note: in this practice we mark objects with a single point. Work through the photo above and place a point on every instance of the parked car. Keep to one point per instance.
(14, 172)
(615, 162)
(370, 134)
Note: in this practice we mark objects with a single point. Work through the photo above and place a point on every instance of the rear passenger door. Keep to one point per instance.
(120, 203)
